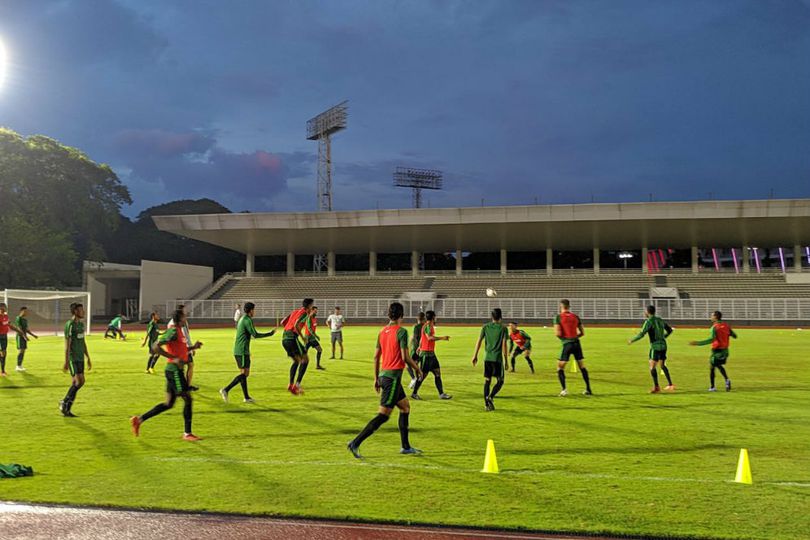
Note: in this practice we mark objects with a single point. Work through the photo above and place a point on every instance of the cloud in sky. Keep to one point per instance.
(564, 101)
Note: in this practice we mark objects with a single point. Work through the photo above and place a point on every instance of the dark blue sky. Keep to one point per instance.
(513, 100)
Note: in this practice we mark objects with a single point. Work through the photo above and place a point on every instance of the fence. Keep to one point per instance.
(475, 309)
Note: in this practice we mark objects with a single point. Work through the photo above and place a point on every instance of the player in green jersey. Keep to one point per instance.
(21, 322)
(75, 353)
(152, 334)
(494, 336)
(5, 326)
(415, 339)
(115, 328)
(658, 331)
(241, 352)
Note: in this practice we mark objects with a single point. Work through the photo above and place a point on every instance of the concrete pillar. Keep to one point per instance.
(797, 258)
(549, 261)
(503, 262)
(695, 261)
(746, 259)
(595, 260)
(372, 263)
(645, 261)
(414, 263)
(290, 263)
(459, 262)
(330, 263)
(250, 264)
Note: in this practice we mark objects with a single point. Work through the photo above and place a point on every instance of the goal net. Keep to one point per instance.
(48, 311)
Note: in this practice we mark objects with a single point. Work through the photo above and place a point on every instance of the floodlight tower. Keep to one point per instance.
(321, 128)
(417, 180)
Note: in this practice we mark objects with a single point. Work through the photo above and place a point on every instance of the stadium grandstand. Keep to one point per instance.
(751, 258)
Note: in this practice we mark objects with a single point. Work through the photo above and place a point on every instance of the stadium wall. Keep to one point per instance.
(161, 280)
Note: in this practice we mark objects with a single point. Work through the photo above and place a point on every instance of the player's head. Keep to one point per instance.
(179, 316)
(153, 316)
(337, 310)
(565, 305)
(24, 311)
(396, 311)
(314, 310)
(513, 326)
(181, 307)
(3, 307)
(717, 316)
(77, 310)
(307, 303)
(430, 315)
(237, 306)
(497, 314)
(420, 316)
(249, 307)
(650, 310)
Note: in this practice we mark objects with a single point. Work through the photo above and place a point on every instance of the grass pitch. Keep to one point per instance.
(622, 461)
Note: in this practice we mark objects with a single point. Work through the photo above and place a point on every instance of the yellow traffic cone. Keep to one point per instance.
(574, 367)
(490, 460)
(744, 469)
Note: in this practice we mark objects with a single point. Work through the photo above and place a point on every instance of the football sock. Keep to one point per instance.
(236, 380)
(586, 378)
(157, 409)
(187, 414)
(513, 363)
(293, 369)
(370, 428)
(496, 388)
(243, 382)
(561, 376)
(723, 372)
(403, 429)
(410, 372)
(486, 389)
(654, 374)
(439, 385)
(20, 357)
(418, 384)
(711, 377)
(3, 363)
(531, 364)
(318, 357)
(301, 370)
(665, 369)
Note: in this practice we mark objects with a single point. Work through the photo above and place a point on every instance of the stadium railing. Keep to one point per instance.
(474, 309)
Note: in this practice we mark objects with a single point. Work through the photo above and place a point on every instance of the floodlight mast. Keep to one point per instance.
(321, 128)
(417, 180)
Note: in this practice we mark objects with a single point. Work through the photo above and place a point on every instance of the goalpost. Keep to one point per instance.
(48, 311)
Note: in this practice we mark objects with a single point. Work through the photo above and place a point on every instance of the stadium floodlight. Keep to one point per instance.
(624, 256)
(417, 180)
(321, 128)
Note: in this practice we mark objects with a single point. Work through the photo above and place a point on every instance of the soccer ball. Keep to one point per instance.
(492, 293)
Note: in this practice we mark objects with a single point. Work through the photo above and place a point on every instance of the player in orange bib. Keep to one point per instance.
(392, 355)
(719, 340)
(569, 330)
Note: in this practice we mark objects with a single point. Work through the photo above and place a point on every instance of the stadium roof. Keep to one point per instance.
(764, 223)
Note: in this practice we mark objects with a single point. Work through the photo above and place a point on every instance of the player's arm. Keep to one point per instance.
(33, 335)
(644, 329)
(68, 341)
(668, 330)
(403, 344)
(87, 355)
(528, 339)
(478, 347)
(505, 354)
(143, 343)
(511, 345)
(19, 332)
(377, 356)
(580, 329)
(706, 341)
(258, 335)
(732, 333)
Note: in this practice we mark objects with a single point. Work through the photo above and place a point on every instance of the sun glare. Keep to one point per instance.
(3, 60)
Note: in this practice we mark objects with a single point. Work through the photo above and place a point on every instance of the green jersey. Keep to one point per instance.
(74, 332)
(494, 335)
(244, 332)
(657, 330)
(21, 323)
(416, 337)
(152, 332)
(116, 322)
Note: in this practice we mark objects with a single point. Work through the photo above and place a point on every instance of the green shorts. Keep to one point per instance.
(76, 367)
(22, 343)
(391, 391)
(718, 357)
(658, 354)
(242, 361)
(176, 382)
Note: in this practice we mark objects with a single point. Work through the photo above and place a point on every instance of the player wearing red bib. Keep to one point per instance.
(392, 355)
(569, 330)
(5, 326)
(429, 363)
(294, 324)
(719, 340)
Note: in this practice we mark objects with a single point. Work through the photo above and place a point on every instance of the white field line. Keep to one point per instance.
(412, 466)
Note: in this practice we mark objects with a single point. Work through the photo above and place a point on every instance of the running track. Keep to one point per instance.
(34, 522)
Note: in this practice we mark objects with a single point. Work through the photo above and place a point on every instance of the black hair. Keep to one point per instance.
(718, 315)
(651, 309)
(497, 314)
(430, 315)
(307, 302)
(249, 306)
(178, 314)
(565, 303)
(514, 322)
(337, 307)
(396, 311)
(3, 304)
(23, 308)
(314, 307)
(420, 315)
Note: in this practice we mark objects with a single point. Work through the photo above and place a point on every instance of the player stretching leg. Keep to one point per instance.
(21, 323)
(174, 346)
(719, 340)
(313, 341)
(152, 332)
(658, 331)
(241, 352)
(520, 342)
(75, 353)
(427, 356)
(336, 321)
(569, 330)
(416, 337)
(5, 326)
(392, 353)
(494, 337)
(115, 328)
(293, 325)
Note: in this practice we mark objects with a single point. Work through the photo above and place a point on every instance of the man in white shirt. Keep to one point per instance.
(237, 315)
(335, 322)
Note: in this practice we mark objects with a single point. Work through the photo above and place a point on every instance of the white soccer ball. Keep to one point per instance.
(492, 293)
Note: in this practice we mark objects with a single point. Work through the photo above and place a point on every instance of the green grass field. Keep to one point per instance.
(622, 461)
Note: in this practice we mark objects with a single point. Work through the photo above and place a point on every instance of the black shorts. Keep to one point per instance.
(242, 361)
(573, 348)
(658, 355)
(3, 342)
(22, 343)
(176, 382)
(391, 391)
(293, 348)
(520, 350)
(313, 344)
(76, 367)
(428, 362)
(493, 369)
(719, 357)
